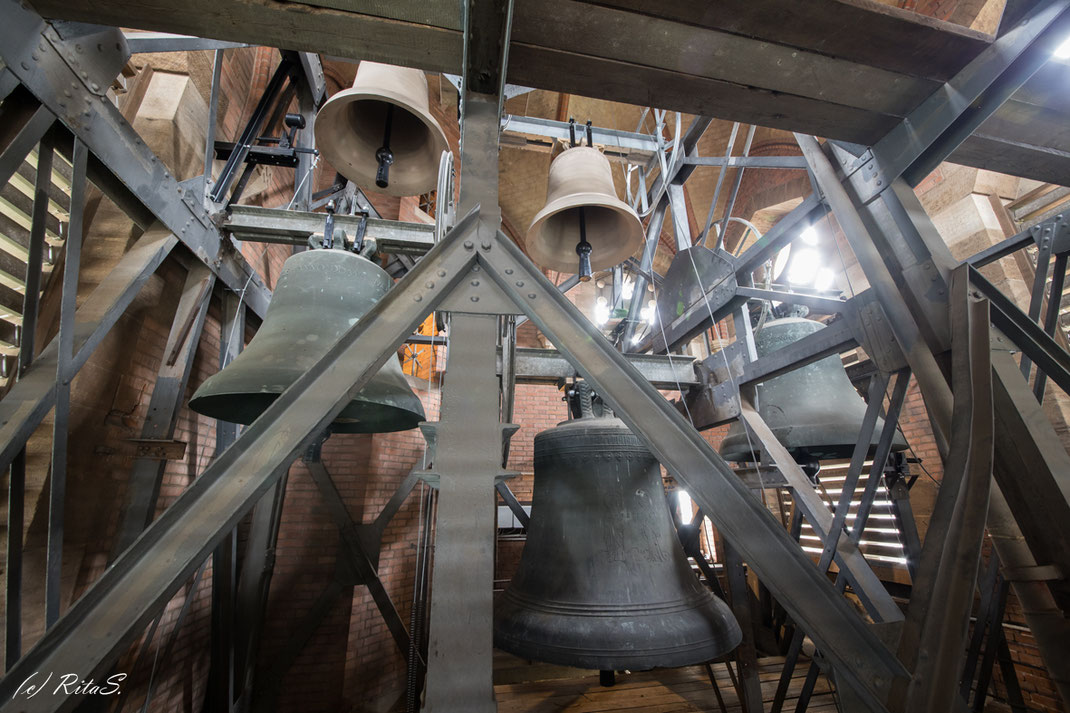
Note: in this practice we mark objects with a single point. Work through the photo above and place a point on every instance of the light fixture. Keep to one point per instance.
(803, 268)
(627, 289)
(649, 313)
(1063, 50)
(600, 284)
(826, 278)
(602, 300)
(601, 314)
(686, 509)
(809, 236)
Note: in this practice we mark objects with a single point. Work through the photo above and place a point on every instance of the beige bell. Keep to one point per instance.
(386, 108)
(581, 178)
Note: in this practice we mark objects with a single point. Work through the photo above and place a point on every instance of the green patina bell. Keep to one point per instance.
(320, 294)
(814, 411)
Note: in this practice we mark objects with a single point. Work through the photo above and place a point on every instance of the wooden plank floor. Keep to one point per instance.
(523, 687)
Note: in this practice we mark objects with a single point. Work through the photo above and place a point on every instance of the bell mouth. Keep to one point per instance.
(349, 130)
(736, 449)
(358, 417)
(613, 230)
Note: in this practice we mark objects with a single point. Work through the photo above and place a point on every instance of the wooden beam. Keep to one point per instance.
(863, 31)
(689, 50)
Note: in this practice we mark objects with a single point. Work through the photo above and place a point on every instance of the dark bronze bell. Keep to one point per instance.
(603, 582)
(320, 294)
(813, 411)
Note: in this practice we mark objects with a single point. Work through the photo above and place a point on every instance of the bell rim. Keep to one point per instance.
(213, 406)
(628, 245)
(342, 100)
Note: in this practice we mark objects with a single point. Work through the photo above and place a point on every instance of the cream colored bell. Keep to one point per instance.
(581, 178)
(386, 108)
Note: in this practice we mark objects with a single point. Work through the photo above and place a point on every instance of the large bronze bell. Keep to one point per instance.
(320, 294)
(380, 133)
(813, 411)
(603, 582)
(581, 179)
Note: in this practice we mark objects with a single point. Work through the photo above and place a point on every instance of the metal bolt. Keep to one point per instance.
(475, 283)
(508, 271)
(25, 65)
(468, 245)
(476, 268)
(441, 273)
(485, 245)
(531, 295)
(417, 298)
(95, 87)
(429, 285)
(474, 298)
(519, 283)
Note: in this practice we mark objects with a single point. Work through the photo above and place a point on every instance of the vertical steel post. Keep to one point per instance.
(213, 114)
(64, 372)
(646, 264)
(1051, 316)
(224, 559)
(467, 458)
(750, 689)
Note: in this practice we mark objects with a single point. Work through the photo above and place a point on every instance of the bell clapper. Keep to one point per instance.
(328, 227)
(384, 155)
(583, 249)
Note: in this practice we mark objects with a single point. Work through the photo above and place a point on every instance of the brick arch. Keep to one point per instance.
(762, 188)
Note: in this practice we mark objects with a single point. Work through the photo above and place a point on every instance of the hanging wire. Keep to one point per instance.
(728, 369)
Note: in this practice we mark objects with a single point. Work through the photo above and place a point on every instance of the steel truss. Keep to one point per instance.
(931, 307)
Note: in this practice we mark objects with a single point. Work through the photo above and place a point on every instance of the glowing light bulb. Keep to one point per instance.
(1063, 50)
(627, 289)
(686, 513)
(826, 278)
(809, 236)
(601, 314)
(803, 268)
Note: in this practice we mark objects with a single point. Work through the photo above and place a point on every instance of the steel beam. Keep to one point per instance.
(25, 122)
(869, 589)
(750, 687)
(817, 303)
(362, 552)
(1032, 467)
(258, 565)
(94, 629)
(294, 227)
(548, 366)
(31, 398)
(935, 630)
(72, 260)
(1026, 334)
(143, 488)
(935, 128)
(222, 672)
(761, 539)
(621, 145)
(748, 161)
(466, 462)
(35, 53)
